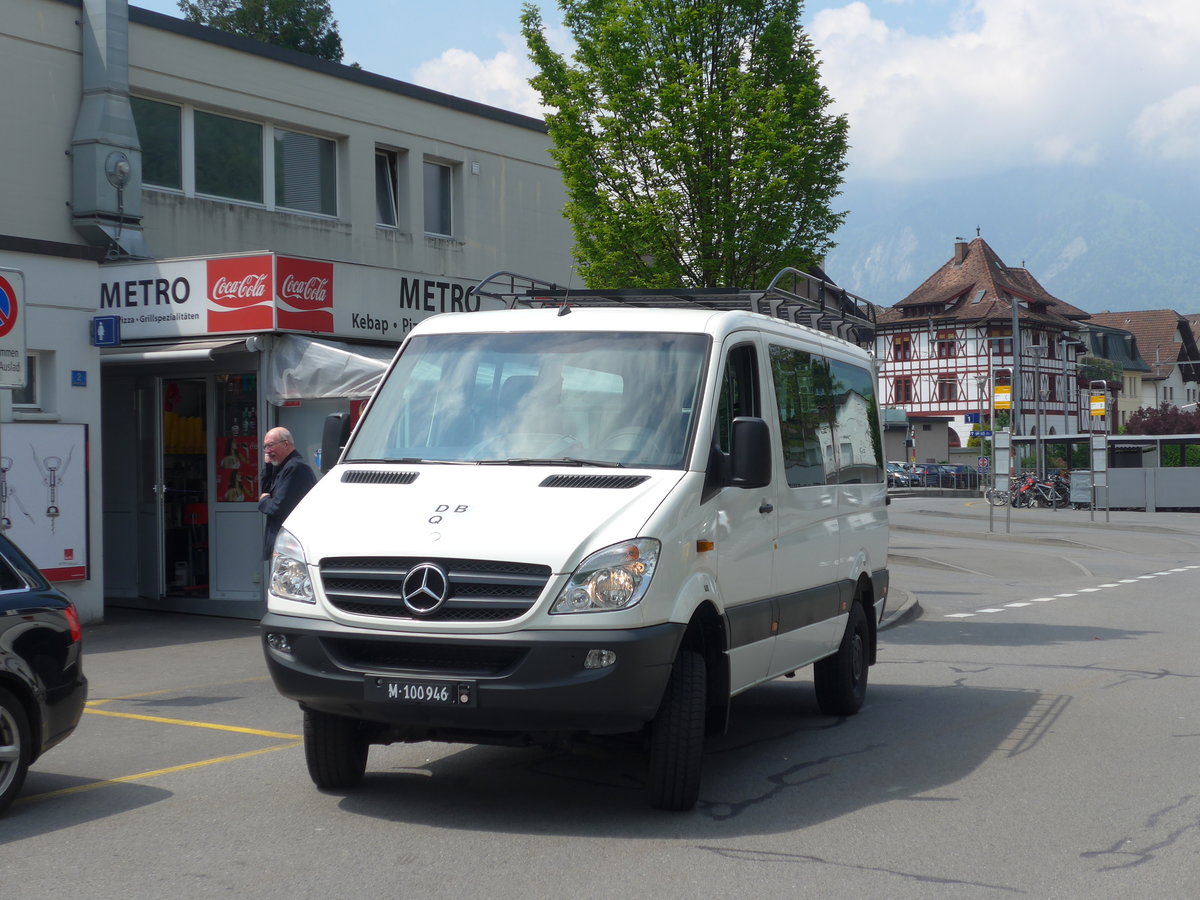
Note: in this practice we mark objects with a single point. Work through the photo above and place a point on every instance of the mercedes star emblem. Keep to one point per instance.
(425, 589)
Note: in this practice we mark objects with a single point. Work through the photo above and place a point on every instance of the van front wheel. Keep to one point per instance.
(677, 736)
(841, 679)
(335, 750)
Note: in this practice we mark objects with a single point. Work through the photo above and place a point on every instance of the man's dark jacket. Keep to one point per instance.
(287, 483)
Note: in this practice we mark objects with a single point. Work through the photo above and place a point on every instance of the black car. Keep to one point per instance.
(42, 687)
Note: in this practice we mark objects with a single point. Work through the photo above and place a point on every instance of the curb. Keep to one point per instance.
(907, 609)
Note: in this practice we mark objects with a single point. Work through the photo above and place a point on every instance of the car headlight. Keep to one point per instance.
(289, 570)
(613, 578)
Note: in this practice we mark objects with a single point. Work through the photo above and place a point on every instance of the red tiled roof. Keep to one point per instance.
(1163, 336)
(977, 288)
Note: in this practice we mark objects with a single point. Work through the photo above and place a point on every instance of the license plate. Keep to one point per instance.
(432, 693)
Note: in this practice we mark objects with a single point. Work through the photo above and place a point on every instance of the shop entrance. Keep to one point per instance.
(183, 488)
(182, 527)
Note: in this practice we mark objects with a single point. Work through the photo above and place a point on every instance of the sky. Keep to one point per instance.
(934, 90)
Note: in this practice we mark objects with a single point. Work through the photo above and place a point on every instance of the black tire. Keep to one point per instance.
(996, 497)
(335, 749)
(16, 749)
(677, 736)
(841, 679)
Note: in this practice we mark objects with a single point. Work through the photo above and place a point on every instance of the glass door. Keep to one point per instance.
(184, 487)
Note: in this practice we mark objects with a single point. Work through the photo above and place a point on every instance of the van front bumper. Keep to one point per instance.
(518, 683)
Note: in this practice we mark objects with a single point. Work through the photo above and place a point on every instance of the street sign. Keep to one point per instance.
(106, 331)
(971, 419)
(1099, 404)
(12, 329)
(981, 434)
(984, 463)
(1003, 396)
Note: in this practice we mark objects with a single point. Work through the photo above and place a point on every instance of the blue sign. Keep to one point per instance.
(981, 434)
(78, 378)
(971, 419)
(106, 331)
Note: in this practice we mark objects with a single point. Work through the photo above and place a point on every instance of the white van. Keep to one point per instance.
(607, 516)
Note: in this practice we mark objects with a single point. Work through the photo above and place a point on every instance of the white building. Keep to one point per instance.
(263, 227)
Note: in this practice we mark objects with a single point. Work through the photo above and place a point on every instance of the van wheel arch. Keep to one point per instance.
(706, 635)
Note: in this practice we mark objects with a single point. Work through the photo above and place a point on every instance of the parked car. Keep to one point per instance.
(898, 476)
(932, 475)
(960, 476)
(42, 686)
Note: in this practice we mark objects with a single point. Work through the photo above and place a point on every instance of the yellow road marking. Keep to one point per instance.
(141, 776)
(162, 721)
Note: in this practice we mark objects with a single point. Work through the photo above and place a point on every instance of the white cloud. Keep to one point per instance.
(1170, 128)
(1012, 83)
(502, 80)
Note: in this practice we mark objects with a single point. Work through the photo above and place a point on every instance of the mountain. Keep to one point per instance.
(1110, 239)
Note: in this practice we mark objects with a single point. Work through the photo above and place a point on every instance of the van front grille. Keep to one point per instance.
(478, 590)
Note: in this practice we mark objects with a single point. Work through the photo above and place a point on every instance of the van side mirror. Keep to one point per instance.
(750, 453)
(333, 439)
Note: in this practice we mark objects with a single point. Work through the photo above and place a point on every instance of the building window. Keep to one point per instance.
(229, 157)
(1002, 347)
(305, 173)
(902, 348)
(158, 128)
(947, 346)
(387, 170)
(438, 180)
(947, 389)
(28, 397)
(902, 390)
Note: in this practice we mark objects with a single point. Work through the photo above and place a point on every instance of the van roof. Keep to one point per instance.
(715, 323)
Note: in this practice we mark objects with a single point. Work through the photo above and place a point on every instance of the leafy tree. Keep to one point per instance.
(1165, 419)
(304, 25)
(693, 138)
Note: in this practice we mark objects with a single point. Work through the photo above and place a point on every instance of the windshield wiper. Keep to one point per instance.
(555, 461)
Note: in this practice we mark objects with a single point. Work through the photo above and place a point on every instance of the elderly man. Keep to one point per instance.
(285, 479)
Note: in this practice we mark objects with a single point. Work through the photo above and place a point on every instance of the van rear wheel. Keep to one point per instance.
(335, 749)
(677, 736)
(841, 679)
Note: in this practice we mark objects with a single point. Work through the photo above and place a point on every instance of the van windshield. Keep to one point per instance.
(573, 398)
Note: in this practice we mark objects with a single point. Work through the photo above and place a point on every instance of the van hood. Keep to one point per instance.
(547, 515)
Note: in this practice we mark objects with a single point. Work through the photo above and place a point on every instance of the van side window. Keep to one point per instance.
(856, 424)
(804, 392)
(739, 393)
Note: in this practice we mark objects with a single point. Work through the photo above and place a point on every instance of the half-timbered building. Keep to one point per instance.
(946, 350)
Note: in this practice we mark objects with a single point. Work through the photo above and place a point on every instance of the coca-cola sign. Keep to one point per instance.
(240, 295)
(304, 294)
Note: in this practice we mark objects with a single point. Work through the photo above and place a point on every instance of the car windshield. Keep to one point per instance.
(568, 398)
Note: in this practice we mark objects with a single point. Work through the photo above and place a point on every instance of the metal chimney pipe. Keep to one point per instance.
(106, 197)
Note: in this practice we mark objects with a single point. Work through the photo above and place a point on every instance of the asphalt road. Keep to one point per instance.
(1031, 730)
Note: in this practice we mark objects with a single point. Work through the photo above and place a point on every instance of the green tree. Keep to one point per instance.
(304, 25)
(693, 138)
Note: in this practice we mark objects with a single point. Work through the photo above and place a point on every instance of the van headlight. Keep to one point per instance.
(289, 570)
(613, 578)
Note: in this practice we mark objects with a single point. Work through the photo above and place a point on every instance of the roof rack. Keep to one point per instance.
(792, 295)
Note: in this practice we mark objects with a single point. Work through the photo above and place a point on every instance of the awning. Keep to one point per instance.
(180, 351)
(304, 368)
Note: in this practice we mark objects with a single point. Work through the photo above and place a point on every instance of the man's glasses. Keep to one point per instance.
(267, 445)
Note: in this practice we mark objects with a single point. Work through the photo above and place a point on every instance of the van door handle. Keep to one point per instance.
(766, 508)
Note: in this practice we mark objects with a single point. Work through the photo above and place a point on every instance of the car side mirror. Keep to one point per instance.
(750, 453)
(333, 439)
